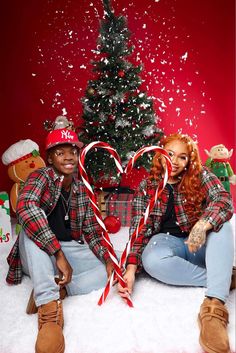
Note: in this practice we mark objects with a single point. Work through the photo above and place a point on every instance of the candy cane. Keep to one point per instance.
(153, 200)
(149, 208)
(97, 212)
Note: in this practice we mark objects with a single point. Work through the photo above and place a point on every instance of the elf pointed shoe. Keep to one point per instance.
(50, 322)
(213, 320)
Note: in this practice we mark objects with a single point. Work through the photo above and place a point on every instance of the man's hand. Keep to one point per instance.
(64, 268)
(197, 236)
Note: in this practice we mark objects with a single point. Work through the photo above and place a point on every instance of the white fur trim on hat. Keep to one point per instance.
(18, 150)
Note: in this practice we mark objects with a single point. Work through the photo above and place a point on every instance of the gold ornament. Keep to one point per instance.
(90, 91)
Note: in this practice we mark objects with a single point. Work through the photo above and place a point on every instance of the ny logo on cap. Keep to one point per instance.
(66, 134)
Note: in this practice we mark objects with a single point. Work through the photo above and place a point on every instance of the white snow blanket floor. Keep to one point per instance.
(163, 320)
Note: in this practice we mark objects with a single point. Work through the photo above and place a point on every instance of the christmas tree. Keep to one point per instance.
(115, 109)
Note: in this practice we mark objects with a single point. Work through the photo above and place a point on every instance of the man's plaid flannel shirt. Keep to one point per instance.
(217, 208)
(36, 201)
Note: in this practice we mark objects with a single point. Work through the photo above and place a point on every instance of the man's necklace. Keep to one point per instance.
(66, 204)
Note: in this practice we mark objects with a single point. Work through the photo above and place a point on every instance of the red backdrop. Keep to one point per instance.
(187, 49)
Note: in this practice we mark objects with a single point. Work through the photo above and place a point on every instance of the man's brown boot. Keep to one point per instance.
(213, 320)
(31, 305)
(50, 322)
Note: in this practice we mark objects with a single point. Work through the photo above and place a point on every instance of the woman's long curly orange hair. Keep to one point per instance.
(190, 182)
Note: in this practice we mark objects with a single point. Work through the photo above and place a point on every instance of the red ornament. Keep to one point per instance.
(112, 224)
(121, 73)
(134, 178)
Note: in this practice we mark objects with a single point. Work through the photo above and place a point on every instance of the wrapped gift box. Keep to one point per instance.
(5, 220)
(120, 205)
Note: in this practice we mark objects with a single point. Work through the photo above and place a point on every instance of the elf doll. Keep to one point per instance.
(218, 163)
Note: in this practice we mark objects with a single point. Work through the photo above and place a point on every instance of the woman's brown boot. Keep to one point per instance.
(213, 320)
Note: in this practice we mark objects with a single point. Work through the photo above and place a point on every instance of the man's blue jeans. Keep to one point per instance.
(89, 273)
(168, 259)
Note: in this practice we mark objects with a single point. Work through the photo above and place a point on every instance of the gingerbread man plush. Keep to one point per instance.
(218, 163)
(22, 158)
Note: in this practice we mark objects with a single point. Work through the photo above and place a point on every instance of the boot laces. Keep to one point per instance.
(51, 316)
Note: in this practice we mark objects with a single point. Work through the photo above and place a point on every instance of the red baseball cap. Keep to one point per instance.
(62, 136)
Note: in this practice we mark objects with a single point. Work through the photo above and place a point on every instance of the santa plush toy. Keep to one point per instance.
(22, 158)
(218, 163)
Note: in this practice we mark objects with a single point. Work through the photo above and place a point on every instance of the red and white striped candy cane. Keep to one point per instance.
(149, 208)
(93, 200)
(153, 200)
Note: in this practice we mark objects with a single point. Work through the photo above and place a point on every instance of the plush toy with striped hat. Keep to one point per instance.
(22, 158)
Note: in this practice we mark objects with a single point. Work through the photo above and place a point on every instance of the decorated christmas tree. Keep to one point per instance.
(115, 109)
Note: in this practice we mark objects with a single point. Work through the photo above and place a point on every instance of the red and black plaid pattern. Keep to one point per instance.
(217, 208)
(120, 205)
(37, 199)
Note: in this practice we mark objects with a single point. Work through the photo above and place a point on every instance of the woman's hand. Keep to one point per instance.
(129, 278)
(64, 268)
(197, 236)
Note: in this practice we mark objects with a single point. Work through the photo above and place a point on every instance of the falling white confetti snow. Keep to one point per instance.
(64, 112)
(178, 111)
(184, 57)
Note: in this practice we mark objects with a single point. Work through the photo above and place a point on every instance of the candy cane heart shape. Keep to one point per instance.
(152, 201)
(150, 205)
(94, 204)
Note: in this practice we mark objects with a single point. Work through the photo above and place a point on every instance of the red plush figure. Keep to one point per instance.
(112, 224)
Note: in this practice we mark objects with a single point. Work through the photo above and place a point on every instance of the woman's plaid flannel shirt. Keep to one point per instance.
(36, 201)
(217, 208)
